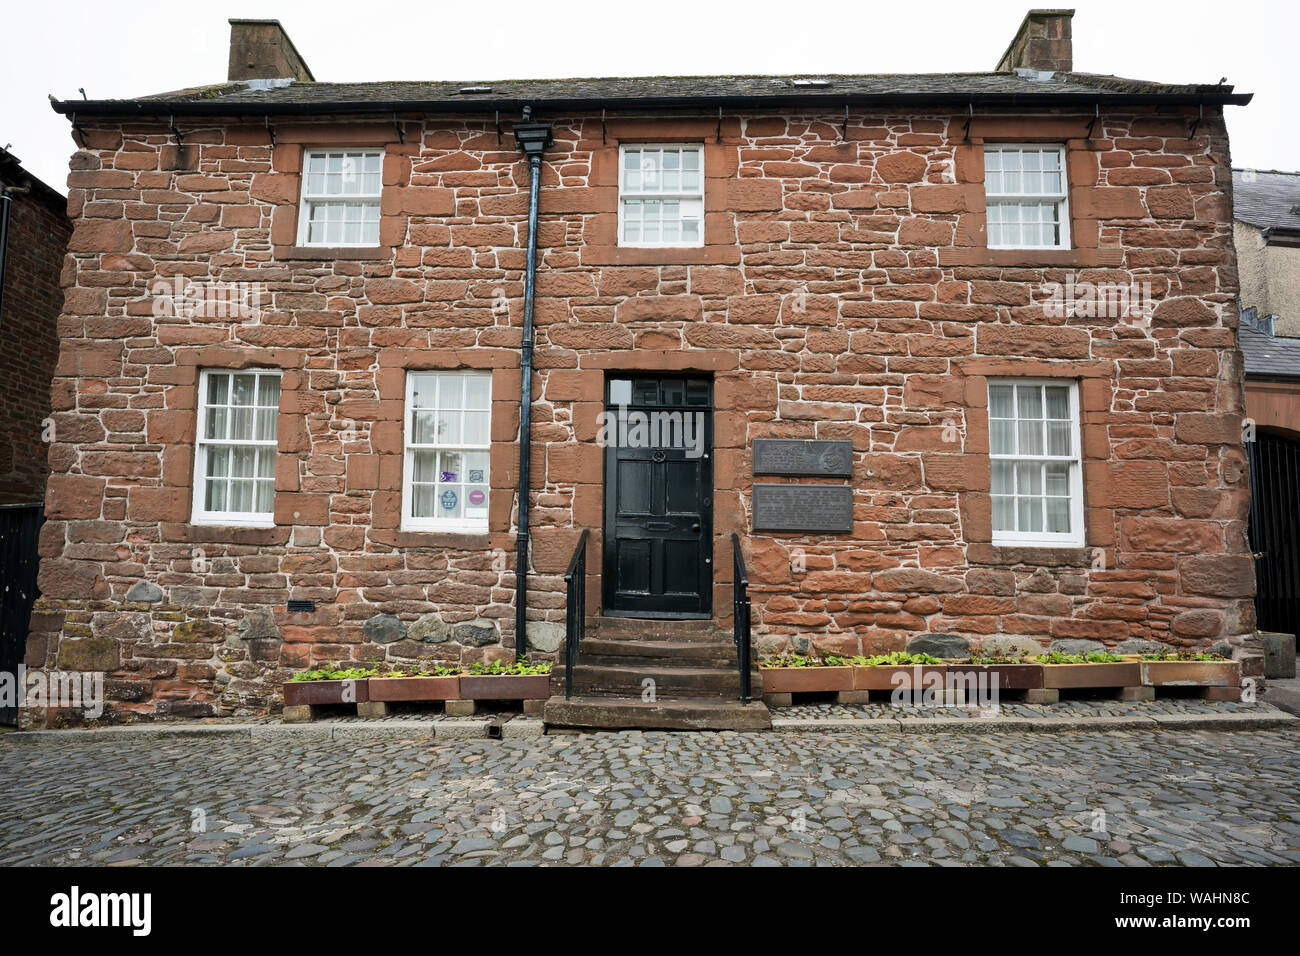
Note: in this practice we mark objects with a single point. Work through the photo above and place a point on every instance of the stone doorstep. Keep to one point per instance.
(525, 727)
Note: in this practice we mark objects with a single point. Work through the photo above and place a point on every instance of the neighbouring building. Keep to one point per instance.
(34, 230)
(1266, 227)
(953, 356)
(33, 239)
(1267, 233)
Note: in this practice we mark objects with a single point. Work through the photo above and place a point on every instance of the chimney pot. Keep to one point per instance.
(1041, 43)
(262, 50)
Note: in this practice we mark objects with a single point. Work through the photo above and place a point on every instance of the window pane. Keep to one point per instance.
(1029, 401)
(450, 468)
(1003, 478)
(268, 391)
(1058, 479)
(1058, 402)
(241, 424)
(216, 423)
(1002, 436)
(266, 424)
(1030, 513)
(424, 466)
(218, 462)
(265, 496)
(243, 390)
(1058, 438)
(1031, 438)
(241, 496)
(447, 427)
(243, 462)
(215, 497)
(424, 499)
(422, 428)
(1058, 515)
(1004, 513)
(218, 389)
(476, 428)
(479, 391)
(476, 467)
(1001, 403)
(1029, 478)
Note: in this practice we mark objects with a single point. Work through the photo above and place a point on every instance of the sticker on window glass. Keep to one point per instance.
(477, 497)
(448, 476)
(476, 475)
(449, 501)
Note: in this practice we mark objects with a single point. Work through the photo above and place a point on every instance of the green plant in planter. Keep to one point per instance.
(796, 660)
(1015, 657)
(331, 673)
(1182, 656)
(437, 670)
(514, 669)
(1092, 657)
(893, 659)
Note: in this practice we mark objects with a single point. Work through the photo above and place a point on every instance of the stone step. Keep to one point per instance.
(641, 629)
(605, 713)
(670, 681)
(602, 650)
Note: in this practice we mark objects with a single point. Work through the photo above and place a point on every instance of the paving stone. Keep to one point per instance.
(1132, 798)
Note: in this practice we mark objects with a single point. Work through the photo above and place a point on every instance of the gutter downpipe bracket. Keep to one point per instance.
(533, 138)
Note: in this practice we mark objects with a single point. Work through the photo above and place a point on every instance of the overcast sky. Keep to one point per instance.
(150, 46)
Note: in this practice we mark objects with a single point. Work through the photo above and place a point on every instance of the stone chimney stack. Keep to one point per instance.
(261, 50)
(1041, 43)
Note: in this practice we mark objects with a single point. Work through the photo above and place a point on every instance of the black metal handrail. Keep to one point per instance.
(740, 608)
(575, 609)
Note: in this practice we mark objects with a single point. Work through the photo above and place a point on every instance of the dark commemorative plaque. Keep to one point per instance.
(782, 456)
(803, 508)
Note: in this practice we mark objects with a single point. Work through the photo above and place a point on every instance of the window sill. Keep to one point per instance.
(709, 254)
(235, 525)
(1029, 258)
(318, 253)
(454, 540)
(1044, 555)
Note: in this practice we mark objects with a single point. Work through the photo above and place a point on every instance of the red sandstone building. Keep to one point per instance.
(894, 275)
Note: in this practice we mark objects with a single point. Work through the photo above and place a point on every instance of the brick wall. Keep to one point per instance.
(902, 315)
(29, 341)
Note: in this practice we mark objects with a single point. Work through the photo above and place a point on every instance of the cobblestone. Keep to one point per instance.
(1063, 710)
(650, 799)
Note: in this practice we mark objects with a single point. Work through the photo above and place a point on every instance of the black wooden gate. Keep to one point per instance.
(1275, 531)
(20, 527)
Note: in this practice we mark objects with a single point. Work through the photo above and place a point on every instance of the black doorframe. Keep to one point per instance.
(20, 527)
(1274, 530)
(658, 525)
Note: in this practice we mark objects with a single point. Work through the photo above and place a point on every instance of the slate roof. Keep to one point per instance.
(1269, 356)
(1013, 88)
(1268, 198)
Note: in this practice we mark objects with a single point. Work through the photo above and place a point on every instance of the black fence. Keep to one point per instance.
(20, 528)
(1275, 531)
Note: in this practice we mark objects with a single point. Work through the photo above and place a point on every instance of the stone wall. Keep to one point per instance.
(29, 340)
(844, 291)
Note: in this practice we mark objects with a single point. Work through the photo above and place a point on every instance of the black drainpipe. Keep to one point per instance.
(532, 138)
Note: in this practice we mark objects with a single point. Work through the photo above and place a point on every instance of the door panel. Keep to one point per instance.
(658, 498)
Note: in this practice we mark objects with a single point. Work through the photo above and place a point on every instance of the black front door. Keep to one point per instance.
(658, 548)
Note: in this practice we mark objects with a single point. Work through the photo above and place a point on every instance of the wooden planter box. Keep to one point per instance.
(1074, 676)
(505, 686)
(415, 688)
(1191, 673)
(1001, 676)
(313, 693)
(881, 677)
(806, 680)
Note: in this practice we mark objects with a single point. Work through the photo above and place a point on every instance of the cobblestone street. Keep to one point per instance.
(1127, 798)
